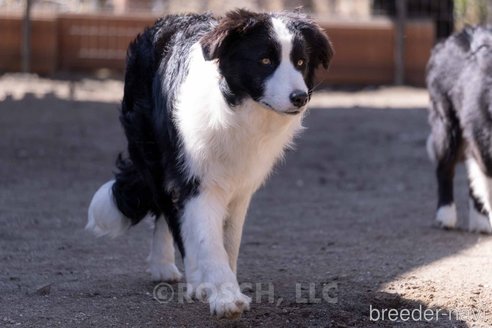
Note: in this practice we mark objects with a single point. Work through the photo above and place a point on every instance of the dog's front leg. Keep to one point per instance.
(233, 228)
(207, 268)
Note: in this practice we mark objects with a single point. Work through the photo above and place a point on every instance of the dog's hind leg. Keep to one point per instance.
(161, 257)
(446, 215)
(480, 198)
(445, 147)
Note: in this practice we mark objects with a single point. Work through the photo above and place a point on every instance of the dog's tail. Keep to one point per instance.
(128, 198)
(120, 203)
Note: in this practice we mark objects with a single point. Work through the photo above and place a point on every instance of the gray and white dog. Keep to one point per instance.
(459, 80)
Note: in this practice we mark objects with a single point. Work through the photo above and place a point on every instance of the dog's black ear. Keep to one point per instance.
(234, 26)
(320, 46)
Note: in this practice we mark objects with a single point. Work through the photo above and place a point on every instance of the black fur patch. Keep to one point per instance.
(240, 41)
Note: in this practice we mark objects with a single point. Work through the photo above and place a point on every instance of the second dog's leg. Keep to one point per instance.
(161, 257)
(480, 205)
(206, 261)
(446, 215)
(444, 146)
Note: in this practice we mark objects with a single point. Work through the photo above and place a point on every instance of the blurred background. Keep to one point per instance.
(377, 42)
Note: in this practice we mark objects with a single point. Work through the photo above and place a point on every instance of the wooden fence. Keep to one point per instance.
(365, 52)
(89, 42)
(43, 46)
(85, 43)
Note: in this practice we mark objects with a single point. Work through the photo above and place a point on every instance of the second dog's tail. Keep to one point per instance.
(119, 203)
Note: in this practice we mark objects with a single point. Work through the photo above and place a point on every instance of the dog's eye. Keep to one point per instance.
(265, 61)
(300, 62)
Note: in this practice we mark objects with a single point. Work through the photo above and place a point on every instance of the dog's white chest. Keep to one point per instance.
(253, 144)
(231, 148)
(240, 152)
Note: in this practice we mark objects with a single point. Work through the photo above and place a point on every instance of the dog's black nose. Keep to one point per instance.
(298, 98)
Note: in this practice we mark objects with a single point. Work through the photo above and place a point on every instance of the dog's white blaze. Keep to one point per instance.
(286, 78)
(284, 36)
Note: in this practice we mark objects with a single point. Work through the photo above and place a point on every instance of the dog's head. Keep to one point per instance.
(270, 58)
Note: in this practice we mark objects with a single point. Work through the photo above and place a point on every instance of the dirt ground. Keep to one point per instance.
(351, 208)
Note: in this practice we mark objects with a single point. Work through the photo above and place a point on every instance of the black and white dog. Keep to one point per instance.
(459, 79)
(209, 106)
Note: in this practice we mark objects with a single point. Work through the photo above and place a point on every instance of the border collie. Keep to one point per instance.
(209, 106)
(460, 86)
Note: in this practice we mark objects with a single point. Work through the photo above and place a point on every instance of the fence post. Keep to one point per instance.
(26, 38)
(401, 13)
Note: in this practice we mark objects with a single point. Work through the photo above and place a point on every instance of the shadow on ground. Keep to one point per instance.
(351, 207)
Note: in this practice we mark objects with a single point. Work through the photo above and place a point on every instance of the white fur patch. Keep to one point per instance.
(480, 184)
(478, 222)
(161, 257)
(286, 77)
(233, 228)
(446, 216)
(207, 268)
(104, 218)
(168, 272)
(228, 303)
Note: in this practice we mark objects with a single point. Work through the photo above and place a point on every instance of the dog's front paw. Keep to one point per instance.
(164, 272)
(228, 303)
(446, 216)
(479, 222)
